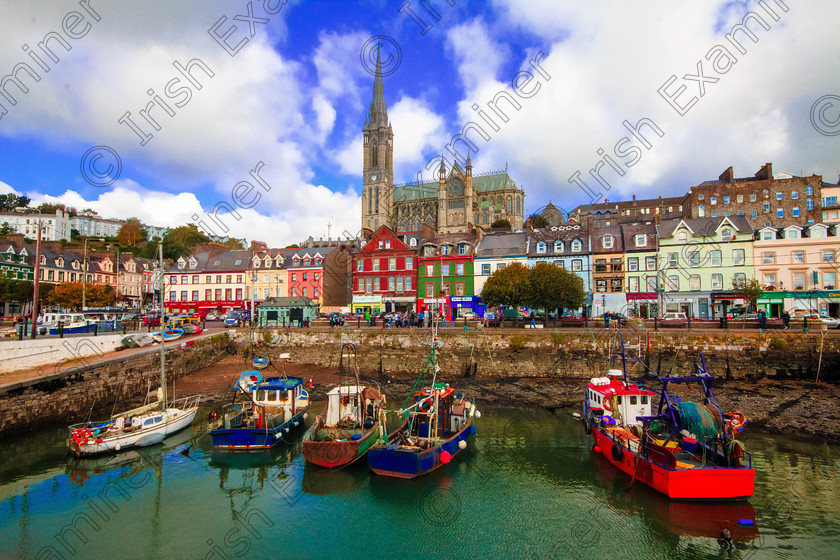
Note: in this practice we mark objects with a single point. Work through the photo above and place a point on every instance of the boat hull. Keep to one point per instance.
(332, 454)
(410, 462)
(703, 483)
(176, 421)
(253, 439)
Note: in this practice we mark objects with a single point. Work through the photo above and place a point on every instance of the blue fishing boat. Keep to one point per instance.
(166, 336)
(271, 408)
(437, 423)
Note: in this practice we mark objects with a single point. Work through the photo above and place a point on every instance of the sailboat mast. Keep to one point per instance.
(162, 330)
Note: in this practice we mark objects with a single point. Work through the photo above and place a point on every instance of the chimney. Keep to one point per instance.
(765, 172)
(727, 176)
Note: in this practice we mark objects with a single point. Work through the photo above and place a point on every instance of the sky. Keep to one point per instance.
(257, 107)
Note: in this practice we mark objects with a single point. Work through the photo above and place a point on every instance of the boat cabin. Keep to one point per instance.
(281, 394)
(343, 405)
(610, 397)
(427, 423)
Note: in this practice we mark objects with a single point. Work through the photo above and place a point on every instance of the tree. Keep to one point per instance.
(6, 229)
(10, 201)
(234, 244)
(67, 295)
(51, 207)
(507, 286)
(501, 223)
(538, 221)
(131, 232)
(748, 290)
(554, 289)
(180, 241)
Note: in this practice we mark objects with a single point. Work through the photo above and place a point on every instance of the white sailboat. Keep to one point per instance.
(139, 427)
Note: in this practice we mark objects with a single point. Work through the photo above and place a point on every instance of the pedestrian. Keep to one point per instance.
(533, 320)
(805, 324)
(367, 318)
(786, 319)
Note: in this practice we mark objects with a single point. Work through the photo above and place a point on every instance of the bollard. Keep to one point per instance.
(60, 330)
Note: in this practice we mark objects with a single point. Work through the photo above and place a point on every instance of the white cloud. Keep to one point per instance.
(478, 56)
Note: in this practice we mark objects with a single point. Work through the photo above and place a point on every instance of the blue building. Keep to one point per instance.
(564, 245)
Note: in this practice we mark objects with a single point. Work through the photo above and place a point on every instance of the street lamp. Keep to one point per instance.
(37, 272)
(85, 273)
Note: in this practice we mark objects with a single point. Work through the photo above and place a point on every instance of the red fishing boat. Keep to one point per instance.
(687, 450)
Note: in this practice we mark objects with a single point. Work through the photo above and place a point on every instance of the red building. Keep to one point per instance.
(385, 273)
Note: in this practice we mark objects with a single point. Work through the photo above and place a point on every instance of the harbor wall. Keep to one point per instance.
(24, 354)
(580, 353)
(70, 394)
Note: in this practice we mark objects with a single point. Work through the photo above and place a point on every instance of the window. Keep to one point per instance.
(713, 201)
(780, 196)
(304, 293)
(409, 263)
(809, 191)
(559, 264)
(430, 290)
(753, 214)
(208, 279)
(795, 211)
(770, 279)
(184, 295)
(315, 276)
(682, 237)
(541, 247)
(717, 281)
(650, 263)
(195, 295)
(413, 242)
(739, 278)
(616, 285)
(229, 279)
(444, 270)
(462, 249)
(485, 270)
(294, 276)
(208, 295)
(738, 257)
(766, 207)
(768, 258)
(387, 243)
(391, 284)
(601, 285)
(392, 263)
(218, 279)
(577, 265)
(828, 255)
(798, 280)
(674, 283)
(714, 214)
(500, 266)
(430, 270)
(672, 260)
(408, 283)
(765, 235)
(376, 265)
(633, 264)
(368, 285)
(715, 258)
(701, 196)
(726, 200)
(444, 288)
(780, 212)
(444, 250)
(576, 246)
(360, 285)
(753, 197)
(798, 257)
(459, 269)
(558, 246)
(218, 294)
(633, 284)
(809, 204)
(694, 282)
(459, 289)
(694, 259)
(740, 213)
(727, 213)
(739, 199)
(641, 240)
(726, 234)
(829, 280)
(304, 276)
(607, 241)
(360, 265)
(651, 284)
(701, 211)
(381, 244)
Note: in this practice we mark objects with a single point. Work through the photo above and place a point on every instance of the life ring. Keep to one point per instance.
(608, 404)
(81, 436)
(617, 453)
(427, 405)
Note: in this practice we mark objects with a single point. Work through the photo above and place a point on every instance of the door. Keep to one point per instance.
(834, 309)
(704, 308)
(776, 310)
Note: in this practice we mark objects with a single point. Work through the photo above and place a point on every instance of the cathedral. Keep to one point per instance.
(456, 202)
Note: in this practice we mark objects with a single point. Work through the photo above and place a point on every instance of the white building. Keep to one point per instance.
(54, 227)
(91, 225)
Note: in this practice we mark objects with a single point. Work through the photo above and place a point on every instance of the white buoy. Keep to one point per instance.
(477, 414)
(462, 444)
(117, 447)
(576, 415)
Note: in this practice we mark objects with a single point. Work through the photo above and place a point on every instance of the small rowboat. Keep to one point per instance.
(171, 334)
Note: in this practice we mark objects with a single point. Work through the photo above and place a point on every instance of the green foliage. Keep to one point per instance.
(51, 207)
(777, 343)
(538, 221)
(748, 290)
(501, 223)
(517, 342)
(69, 295)
(10, 201)
(556, 338)
(553, 288)
(180, 241)
(6, 229)
(507, 286)
(266, 336)
(16, 290)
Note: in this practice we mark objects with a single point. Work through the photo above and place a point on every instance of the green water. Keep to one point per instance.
(527, 487)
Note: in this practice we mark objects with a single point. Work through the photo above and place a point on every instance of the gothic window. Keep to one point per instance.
(509, 204)
(518, 206)
(499, 201)
(370, 200)
(484, 219)
(377, 200)
(456, 189)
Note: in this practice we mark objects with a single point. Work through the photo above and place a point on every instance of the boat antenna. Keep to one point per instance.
(162, 330)
(624, 361)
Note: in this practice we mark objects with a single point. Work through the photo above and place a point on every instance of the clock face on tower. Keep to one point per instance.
(373, 177)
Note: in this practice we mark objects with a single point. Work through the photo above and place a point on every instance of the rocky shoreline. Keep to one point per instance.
(793, 408)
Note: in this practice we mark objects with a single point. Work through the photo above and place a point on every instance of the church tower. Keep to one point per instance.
(378, 166)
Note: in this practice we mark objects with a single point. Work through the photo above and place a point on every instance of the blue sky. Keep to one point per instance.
(294, 96)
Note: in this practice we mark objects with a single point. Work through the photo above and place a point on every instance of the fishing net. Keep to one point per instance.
(697, 420)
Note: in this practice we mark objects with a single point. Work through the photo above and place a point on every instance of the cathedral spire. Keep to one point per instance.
(378, 115)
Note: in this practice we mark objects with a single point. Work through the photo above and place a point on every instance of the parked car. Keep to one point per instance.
(235, 319)
(674, 318)
(151, 320)
(831, 322)
(212, 316)
(468, 315)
